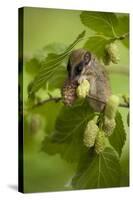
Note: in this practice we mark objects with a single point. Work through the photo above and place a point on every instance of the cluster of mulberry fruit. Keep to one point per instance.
(83, 89)
(69, 92)
(90, 133)
(109, 115)
(93, 136)
(113, 52)
(72, 89)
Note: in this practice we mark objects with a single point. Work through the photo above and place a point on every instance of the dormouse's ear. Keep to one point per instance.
(87, 57)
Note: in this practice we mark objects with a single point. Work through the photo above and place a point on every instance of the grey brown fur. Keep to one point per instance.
(83, 64)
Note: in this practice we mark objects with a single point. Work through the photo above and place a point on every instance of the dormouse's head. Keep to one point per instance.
(77, 64)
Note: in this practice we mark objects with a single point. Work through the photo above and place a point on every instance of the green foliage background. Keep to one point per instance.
(42, 27)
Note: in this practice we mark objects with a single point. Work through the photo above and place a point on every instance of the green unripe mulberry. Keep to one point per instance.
(90, 133)
(109, 126)
(113, 52)
(34, 123)
(100, 142)
(111, 106)
(83, 89)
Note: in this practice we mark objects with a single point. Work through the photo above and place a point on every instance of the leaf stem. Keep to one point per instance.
(122, 37)
(58, 99)
(50, 99)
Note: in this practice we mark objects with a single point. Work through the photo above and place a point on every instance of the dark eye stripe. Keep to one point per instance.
(79, 64)
(79, 68)
(68, 66)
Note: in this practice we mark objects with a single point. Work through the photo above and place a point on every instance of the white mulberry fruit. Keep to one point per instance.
(111, 106)
(113, 52)
(69, 92)
(90, 133)
(83, 89)
(108, 126)
(100, 142)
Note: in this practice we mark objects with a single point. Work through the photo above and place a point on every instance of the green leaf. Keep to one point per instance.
(118, 138)
(48, 118)
(97, 170)
(126, 42)
(58, 80)
(97, 45)
(67, 138)
(52, 48)
(32, 66)
(123, 29)
(51, 66)
(123, 26)
(101, 22)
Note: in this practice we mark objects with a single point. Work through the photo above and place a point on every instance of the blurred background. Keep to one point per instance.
(42, 27)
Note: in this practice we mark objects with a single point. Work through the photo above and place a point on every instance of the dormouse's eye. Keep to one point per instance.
(78, 68)
(87, 58)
